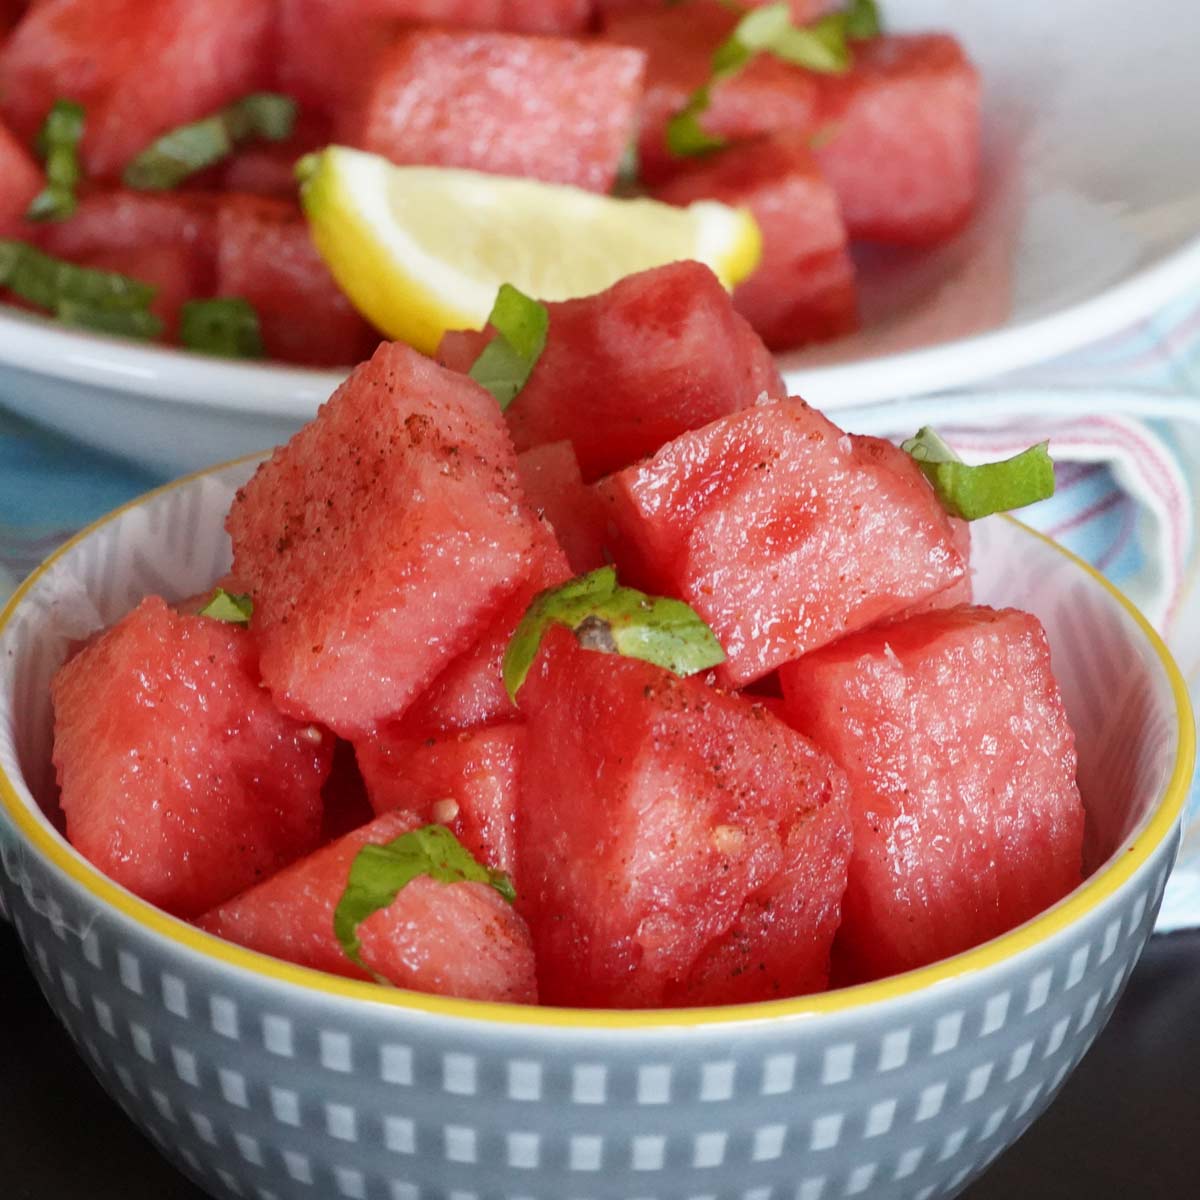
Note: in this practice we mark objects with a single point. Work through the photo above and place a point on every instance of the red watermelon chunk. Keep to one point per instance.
(179, 779)
(138, 69)
(679, 40)
(555, 109)
(465, 780)
(20, 180)
(803, 289)
(967, 819)
(903, 149)
(803, 11)
(167, 268)
(678, 846)
(458, 939)
(263, 168)
(265, 255)
(782, 532)
(627, 370)
(380, 541)
(555, 488)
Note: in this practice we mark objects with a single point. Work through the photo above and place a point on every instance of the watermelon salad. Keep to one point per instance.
(586, 667)
(147, 183)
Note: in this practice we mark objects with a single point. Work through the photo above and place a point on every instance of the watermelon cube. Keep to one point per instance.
(781, 531)
(554, 487)
(380, 541)
(557, 109)
(179, 779)
(803, 290)
(967, 819)
(20, 180)
(138, 69)
(624, 371)
(466, 780)
(767, 96)
(678, 846)
(168, 268)
(457, 939)
(265, 255)
(803, 11)
(903, 140)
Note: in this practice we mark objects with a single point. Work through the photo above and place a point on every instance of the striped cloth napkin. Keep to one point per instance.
(1123, 418)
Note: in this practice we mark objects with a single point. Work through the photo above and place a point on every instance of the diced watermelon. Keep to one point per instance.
(168, 268)
(465, 780)
(263, 168)
(624, 371)
(803, 11)
(554, 487)
(803, 289)
(781, 531)
(179, 779)
(20, 180)
(903, 144)
(265, 255)
(959, 592)
(458, 939)
(765, 97)
(380, 541)
(138, 69)
(967, 819)
(347, 805)
(678, 846)
(556, 109)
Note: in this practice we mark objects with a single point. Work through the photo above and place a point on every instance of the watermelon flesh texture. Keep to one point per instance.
(167, 268)
(465, 780)
(554, 487)
(380, 541)
(903, 145)
(803, 289)
(634, 366)
(803, 11)
(781, 531)
(20, 180)
(138, 69)
(677, 846)
(458, 939)
(179, 779)
(554, 109)
(265, 256)
(967, 819)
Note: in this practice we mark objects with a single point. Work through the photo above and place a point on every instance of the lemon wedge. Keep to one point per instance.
(420, 250)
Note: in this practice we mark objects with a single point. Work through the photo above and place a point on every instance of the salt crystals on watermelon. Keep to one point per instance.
(967, 818)
(179, 779)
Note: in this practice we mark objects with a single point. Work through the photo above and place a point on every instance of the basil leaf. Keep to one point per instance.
(123, 322)
(507, 361)
(379, 873)
(617, 620)
(232, 607)
(58, 146)
(226, 326)
(862, 20)
(971, 492)
(51, 282)
(183, 151)
(685, 137)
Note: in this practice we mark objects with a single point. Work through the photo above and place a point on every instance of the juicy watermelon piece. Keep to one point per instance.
(347, 805)
(626, 370)
(263, 168)
(168, 268)
(803, 290)
(768, 96)
(466, 780)
(781, 531)
(803, 11)
(967, 819)
(904, 146)
(380, 541)
(138, 69)
(265, 255)
(20, 180)
(458, 939)
(959, 592)
(678, 846)
(556, 109)
(179, 779)
(555, 488)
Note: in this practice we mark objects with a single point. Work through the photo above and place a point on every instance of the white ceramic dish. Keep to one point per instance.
(1091, 220)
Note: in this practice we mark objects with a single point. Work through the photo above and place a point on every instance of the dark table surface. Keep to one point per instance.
(1126, 1125)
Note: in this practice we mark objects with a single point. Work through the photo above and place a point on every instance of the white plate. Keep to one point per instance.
(1091, 219)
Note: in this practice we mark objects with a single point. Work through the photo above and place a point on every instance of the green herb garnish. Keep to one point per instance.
(862, 20)
(231, 607)
(972, 492)
(123, 322)
(619, 620)
(183, 151)
(378, 874)
(507, 361)
(58, 146)
(60, 286)
(227, 326)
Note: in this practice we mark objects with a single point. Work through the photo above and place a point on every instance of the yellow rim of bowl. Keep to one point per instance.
(1090, 894)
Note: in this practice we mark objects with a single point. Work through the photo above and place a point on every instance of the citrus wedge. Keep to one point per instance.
(421, 250)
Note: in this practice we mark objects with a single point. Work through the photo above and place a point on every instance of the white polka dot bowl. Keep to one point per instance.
(266, 1081)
